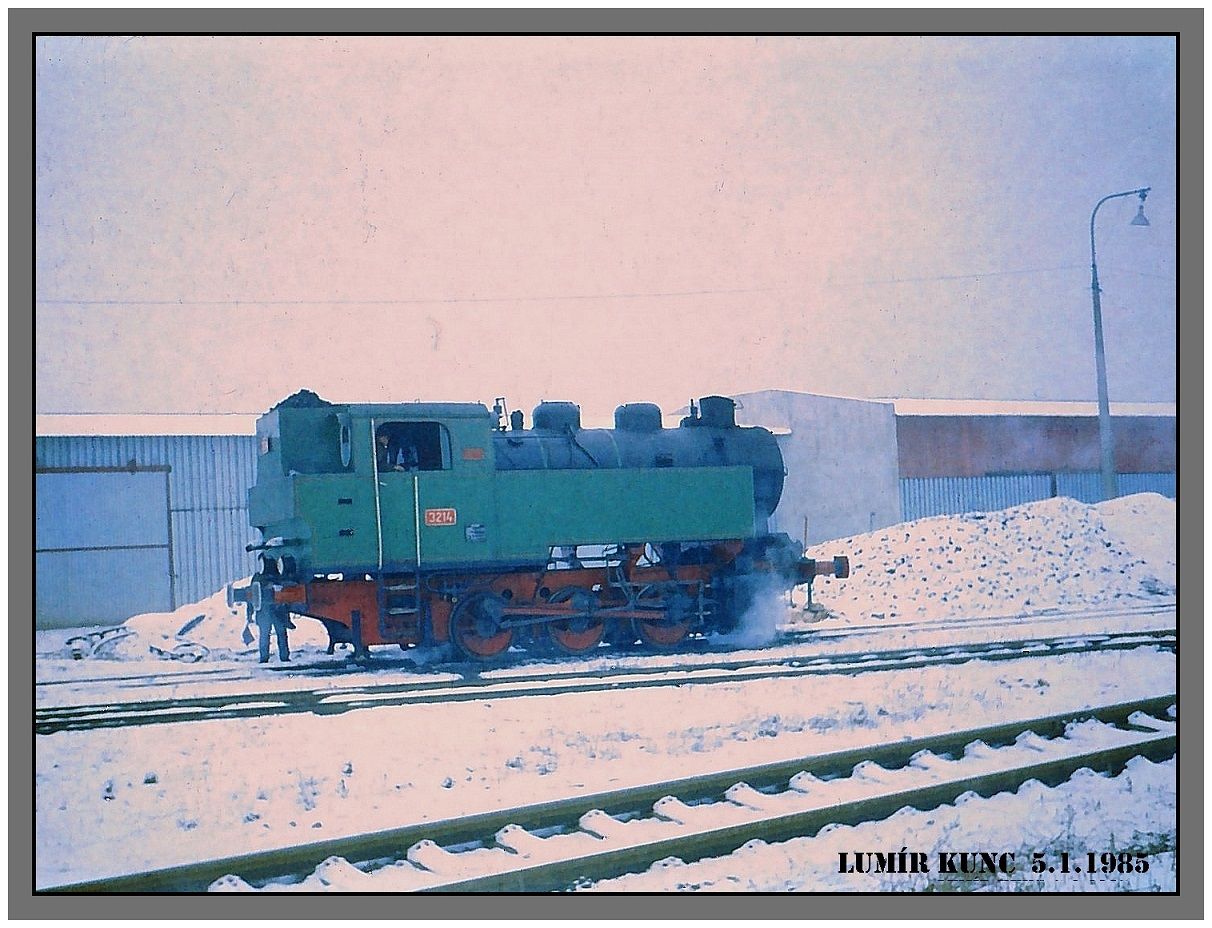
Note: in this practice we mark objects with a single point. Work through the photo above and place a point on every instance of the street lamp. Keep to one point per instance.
(1110, 489)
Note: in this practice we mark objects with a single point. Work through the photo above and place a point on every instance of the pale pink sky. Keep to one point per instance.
(597, 219)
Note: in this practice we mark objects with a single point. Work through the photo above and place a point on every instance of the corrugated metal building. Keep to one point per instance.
(856, 465)
(134, 515)
(962, 455)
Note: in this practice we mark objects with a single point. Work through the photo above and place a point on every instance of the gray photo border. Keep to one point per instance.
(23, 23)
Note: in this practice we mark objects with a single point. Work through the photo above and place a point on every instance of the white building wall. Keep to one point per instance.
(841, 461)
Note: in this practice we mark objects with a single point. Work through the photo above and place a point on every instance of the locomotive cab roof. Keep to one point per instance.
(305, 399)
(419, 410)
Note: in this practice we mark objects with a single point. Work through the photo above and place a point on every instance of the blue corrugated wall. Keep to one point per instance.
(936, 496)
(209, 478)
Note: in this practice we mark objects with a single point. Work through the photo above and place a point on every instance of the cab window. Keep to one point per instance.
(412, 446)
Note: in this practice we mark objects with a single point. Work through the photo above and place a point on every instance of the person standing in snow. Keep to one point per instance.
(273, 619)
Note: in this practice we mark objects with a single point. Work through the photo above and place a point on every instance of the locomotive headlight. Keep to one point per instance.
(281, 567)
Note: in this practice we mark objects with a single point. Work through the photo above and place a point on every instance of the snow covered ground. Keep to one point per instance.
(133, 798)
(124, 799)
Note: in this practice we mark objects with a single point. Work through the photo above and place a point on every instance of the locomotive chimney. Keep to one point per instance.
(717, 412)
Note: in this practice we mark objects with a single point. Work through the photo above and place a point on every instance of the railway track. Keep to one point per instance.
(558, 845)
(692, 650)
(964, 623)
(335, 700)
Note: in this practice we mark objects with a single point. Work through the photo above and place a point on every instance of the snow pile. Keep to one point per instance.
(1052, 554)
(211, 623)
(1145, 525)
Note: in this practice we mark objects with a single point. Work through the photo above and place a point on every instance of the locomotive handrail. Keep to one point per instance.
(416, 520)
(573, 438)
(374, 463)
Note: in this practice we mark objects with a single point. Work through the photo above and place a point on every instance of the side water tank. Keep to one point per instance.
(638, 417)
(557, 417)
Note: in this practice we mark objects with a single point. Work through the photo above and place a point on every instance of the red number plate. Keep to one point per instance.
(441, 517)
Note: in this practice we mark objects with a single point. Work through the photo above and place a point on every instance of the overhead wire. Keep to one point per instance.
(183, 301)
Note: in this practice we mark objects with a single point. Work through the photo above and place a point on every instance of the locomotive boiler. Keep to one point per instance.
(419, 523)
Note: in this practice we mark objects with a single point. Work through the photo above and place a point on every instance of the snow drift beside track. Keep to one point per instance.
(1056, 553)
(211, 623)
(1145, 524)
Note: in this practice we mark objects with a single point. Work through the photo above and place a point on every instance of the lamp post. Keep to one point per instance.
(1106, 448)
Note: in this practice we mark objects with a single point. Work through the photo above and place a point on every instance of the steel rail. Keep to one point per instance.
(554, 876)
(992, 620)
(52, 719)
(392, 843)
